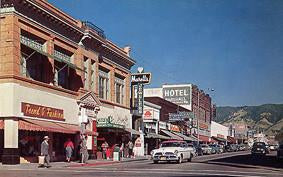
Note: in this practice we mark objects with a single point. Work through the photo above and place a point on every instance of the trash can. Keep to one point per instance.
(116, 154)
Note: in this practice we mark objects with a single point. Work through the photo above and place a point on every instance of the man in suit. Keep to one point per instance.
(45, 151)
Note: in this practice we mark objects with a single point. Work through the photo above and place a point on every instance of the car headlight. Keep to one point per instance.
(176, 152)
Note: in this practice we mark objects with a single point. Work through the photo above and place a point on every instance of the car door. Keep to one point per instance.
(186, 150)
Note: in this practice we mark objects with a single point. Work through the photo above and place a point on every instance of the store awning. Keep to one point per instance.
(186, 138)
(77, 128)
(39, 125)
(157, 136)
(132, 131)
(219, 139)
(1, 124)
(171, 135)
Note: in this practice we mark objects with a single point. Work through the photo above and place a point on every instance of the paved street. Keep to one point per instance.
(238, 164)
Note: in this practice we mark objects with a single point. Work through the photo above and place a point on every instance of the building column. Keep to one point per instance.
(11, 150)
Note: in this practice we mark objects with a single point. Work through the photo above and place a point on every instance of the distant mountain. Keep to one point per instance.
(268, 117)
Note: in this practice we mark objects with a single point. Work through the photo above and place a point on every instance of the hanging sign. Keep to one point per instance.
(141, 78)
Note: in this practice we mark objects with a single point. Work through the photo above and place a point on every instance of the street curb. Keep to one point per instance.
(105, 163)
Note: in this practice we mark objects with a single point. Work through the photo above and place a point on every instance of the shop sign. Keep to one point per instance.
(148, 114)
(108, 122)
(39, 111)
(162, 125)
(180, 95)
(180, 116)
(141, 78)
(220, 136)
(175, 128)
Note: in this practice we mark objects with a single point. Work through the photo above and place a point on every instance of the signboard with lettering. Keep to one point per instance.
(178, 94)
(140, 99)
(162, 125)
(108, 122)
(39, 111)
(180, 116)
(141, 78)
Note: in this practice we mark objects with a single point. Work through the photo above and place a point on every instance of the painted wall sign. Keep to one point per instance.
(180, 95)
(39, 111)
(141, 78)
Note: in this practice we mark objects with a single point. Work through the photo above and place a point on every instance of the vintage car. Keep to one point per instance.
(259, 148)
(280, 152)
(172, 150)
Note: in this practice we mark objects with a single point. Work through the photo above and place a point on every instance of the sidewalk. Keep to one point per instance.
(73, 164)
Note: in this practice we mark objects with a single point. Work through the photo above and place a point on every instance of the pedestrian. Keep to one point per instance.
(104, 148)
(45, 152)
(83, 150)
(69, 148)
(122, 150)
(130, 147)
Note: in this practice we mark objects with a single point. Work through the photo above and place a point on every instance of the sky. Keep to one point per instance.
(234, 47)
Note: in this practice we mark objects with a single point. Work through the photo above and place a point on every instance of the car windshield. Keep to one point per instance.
(171, 144)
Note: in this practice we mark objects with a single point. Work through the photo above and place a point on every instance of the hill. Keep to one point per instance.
(267, 117)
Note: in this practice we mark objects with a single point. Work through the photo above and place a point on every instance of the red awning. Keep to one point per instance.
(39, 125)
(1, 124)
(204, 138)
(77, 128)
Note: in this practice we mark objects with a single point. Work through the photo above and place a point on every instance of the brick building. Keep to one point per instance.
(59, 77)
(191, 98)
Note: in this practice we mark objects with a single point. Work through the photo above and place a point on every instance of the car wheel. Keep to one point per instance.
(180, 160)
(155, 161)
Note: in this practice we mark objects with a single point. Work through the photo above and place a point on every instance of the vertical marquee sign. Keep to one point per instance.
(140, 99)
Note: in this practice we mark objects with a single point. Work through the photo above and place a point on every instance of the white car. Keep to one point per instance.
(172, 150)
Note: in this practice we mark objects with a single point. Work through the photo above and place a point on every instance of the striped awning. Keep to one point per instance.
(39, 125)
(186, 138)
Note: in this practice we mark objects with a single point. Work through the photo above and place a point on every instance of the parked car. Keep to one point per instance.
(206, 149)
(194, 149)
(280, 152)
(231, 148)
(273, 147)
(259, 148)
(172, 150)
(215, 148)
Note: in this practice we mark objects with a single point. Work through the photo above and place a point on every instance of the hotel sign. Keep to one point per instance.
(39, 111)
(141, 78)
(178, 94)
